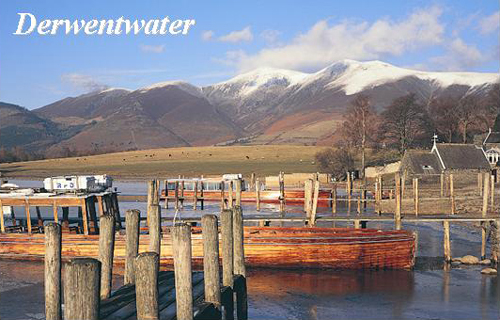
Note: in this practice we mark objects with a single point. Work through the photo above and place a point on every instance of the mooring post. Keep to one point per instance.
(307, 197)
(154, 229)
(496, 247)
(81, 289)
(239, 253)
(397, 216)
(314, 208)
(282, 191)
(166, 193)
(181, 246)
(210, 235)
(257, 195)
(132, 244)
(446, 241)
(227, 258)
(238, 191)
(415, 194)
(452, 194)
(146, 285)
(230, 199)
(182, 193)
(222, 195)
(106, 252)
(195, 195)
(53, 271)
(202, 195)
(359, 204)
(334, 199)
(486, 191)
(176, 195)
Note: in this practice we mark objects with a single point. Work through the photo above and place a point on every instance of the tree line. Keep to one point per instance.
(407, 123)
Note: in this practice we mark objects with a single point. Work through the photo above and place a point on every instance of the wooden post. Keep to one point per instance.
(85, 216)
(492, 191)
(486, 187)
(441, 181)
(238, 191)
(166, 193)
(334, 201)
(252, 181)
(28, 216)
(176, 195)
(202, 195)
(356, 224)
(154, 229)
(2, 221)
(181, 246)
(53, 272)
(397, 215)
(182, 194)
(282, 191)
(257, 195)
(416, 198)
(106, 252)
(230, 198)
(307, 197)
(480, 184)
(146, 285)
(211, 259)
(359, 204)
(132, 244)
(227, 247)
(239, 253)
(452, 194)
(81, 289)
(195, 195)
(446, 241)
(363, 197)
(314, 209)
(222, 195)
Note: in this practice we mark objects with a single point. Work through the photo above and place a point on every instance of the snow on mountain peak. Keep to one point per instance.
(183, 85)
(264, 77)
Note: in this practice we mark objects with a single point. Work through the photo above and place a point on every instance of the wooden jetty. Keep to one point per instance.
(149, 293)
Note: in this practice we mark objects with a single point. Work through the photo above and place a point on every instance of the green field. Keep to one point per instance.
(169, 162)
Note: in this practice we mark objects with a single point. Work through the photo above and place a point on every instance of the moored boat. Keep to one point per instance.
(290, 248)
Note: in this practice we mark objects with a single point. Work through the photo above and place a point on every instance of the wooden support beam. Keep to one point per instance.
(446, 241)
(195, 195)
(52, 283)
(181, 247)
(132, 244)
(81, 289)
(146, 285)
(238, 191)
(165, 182)
(154, 229)
(222, 196)
(257, 195)
(106, 253)
(230, 199)
(314, 208)
(28, 216)
(227, 247)
(239, 252)
(210, 234)
(85, 216)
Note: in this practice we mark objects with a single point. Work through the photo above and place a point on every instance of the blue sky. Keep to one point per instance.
(236, 36)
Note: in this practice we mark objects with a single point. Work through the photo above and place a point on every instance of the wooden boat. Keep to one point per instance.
(264, 247)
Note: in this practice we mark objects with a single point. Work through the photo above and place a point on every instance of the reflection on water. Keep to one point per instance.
(428, 293)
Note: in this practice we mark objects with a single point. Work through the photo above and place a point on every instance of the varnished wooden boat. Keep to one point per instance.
(264, 247)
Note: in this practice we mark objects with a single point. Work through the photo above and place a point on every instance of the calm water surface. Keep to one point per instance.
(426, 293)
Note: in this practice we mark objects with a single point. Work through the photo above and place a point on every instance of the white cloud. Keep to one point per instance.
(325, 43)
(459, 56)
(152, 48)
(207, 35)
(270, 36)
(83, 81)
(490, 23)
(238, 36)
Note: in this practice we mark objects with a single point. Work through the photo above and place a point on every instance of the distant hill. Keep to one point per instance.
(265, 106)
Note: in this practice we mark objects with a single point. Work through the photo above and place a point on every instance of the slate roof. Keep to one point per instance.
(493, 137)
(462, 156)
(421, 162)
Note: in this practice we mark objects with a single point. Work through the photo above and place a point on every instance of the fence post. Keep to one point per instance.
(132, 244)
(81, 289)
(53, 271)
(106, 252)
(210, 235)
(146, 285)
(181, 245)
(397, 216)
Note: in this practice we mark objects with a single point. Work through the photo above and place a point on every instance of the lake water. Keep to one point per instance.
(429, 292)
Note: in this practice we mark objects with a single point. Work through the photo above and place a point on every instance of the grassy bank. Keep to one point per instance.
(193, 161)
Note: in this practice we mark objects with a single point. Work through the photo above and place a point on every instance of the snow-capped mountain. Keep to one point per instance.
(270, 105)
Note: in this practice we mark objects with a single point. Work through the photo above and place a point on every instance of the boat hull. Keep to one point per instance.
(265, 247)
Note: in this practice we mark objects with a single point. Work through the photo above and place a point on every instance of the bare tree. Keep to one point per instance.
(442, 113)
(404, 121)
(467, 114)
(336, 161)
(360, 125)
